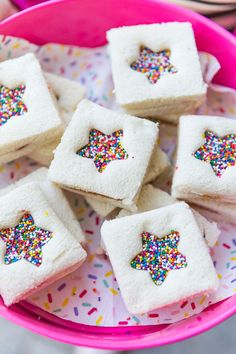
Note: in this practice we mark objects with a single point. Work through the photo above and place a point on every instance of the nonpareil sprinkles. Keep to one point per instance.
(153, 64)
(219, 152)
(11, 103)
(159, 256)
(103, 148)
(25, 240)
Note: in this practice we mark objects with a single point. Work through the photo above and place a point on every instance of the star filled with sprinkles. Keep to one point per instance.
(159, 256)
(11, 103)
(25, 240)
(219, 152)
(153, 64)
(103, 148)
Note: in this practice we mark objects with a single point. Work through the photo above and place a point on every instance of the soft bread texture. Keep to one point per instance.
(217, 211)
(44, 155)
(194, 178)
(152, 198)
(68, 94)
(55, 198)
(61, 255)
(122, 179)
(123, 242)
(41, 123)
(173, 94)
(158, 164)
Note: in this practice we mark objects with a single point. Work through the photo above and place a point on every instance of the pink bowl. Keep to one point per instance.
(84, 23)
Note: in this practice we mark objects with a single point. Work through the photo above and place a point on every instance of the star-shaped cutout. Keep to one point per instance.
(153, 64)
(219, 152)
(159, 256)
(103, 148)
(11, 103)
(25, 240)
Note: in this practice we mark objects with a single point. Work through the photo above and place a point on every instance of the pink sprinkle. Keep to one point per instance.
(183, 304)
(193, 305)
(153, 315)
(97, 220)
(123, 323)
(92, 311)
(225, 245)
(90, 232)
(50, 298)
(83, 293)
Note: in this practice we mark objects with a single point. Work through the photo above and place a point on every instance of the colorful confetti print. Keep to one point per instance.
(153, 64)
(84, 295)
(11, 103)
(219, 152)
(159, 256)
(103, 148)
(25, 240)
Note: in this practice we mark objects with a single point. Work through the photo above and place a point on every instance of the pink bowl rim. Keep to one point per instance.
(72, 336)
(194, 15)
(69, 336)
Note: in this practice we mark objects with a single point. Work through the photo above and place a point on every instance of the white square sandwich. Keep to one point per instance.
(206, 160)
(105, 154)
(28, 116)
(159, 257)
(36, 248)
(156, 70)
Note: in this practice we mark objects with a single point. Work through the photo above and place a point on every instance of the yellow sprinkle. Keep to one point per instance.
(99, 82)
(89, 240)
(74, 291)
(65, 302)
(113, 291)
(99, 320)
(81, 210)
(202, 300)
(46, 213)
(46, 306)
(16, 45)
(77, 52)
(233, 258)
(108, 273)
(17, 165)
(219, 276)
(186, 314)
(91, 257)
(235, 290)
(2, 169)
